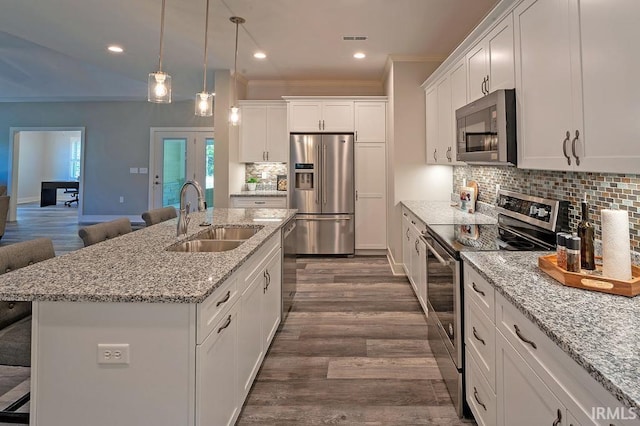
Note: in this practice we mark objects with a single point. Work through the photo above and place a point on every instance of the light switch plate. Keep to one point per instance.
(133, 170)
(144, 170)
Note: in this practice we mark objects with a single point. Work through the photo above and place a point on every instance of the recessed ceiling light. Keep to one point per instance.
(115, 49)
(359, 55)
(259, 55)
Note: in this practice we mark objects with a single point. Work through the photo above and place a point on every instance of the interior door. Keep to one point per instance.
(179, 156)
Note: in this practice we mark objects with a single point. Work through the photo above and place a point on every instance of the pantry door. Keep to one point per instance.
(178, 155)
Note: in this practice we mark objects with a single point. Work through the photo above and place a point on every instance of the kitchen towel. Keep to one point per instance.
(616, 250)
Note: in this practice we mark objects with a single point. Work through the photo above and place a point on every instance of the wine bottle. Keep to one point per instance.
(586, 234)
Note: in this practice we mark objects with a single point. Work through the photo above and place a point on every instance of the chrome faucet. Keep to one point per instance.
(183, 213)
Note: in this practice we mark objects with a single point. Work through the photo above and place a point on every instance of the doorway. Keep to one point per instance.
(44, 154)
(178, 155)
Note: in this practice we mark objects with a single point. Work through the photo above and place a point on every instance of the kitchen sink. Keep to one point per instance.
(207, 246)
(228, 233)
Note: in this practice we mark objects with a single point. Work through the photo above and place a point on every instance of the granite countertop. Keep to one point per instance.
(442, 213)
(601, 332)
(135, 267)
(259, 194)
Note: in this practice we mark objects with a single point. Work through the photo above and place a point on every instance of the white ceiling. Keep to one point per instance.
(56, 50)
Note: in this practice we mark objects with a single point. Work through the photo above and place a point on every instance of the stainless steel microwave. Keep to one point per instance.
(486, 130)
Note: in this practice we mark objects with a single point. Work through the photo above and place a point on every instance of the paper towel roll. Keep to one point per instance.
(616, 250)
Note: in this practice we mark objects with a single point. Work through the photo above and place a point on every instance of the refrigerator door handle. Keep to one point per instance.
(324, 174)
(323, 218)
(318, 168)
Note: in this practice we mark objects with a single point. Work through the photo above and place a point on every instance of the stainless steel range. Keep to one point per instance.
(524, 223)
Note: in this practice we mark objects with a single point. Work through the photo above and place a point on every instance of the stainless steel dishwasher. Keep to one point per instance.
(289, 278)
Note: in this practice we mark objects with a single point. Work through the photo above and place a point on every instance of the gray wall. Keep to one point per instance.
(116, 138)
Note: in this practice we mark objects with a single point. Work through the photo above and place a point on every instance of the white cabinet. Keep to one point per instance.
(217, 400)
(458, 78)
(406, 242)
(490, 63)
(421, 273)
(431, 99)
(414, 255)
(271, 312)
(370, 186)
(370, 121)
(263, 132)
(259, 202)
(439, 122)
(321, 116)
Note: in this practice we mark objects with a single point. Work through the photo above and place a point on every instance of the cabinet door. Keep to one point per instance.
(609, 35)
(250, 348)
(458, 78)
(271, 307)
(477, 71)
(370, 209)
(544, 83)
(305, 116)
(445, 136)
(415, 260)
(431, 98)
(500, 63)
(217, 400)
(337, 116)
(370, 121)
(406, 244)
(523, 398)
(253, 133)
(277, 144)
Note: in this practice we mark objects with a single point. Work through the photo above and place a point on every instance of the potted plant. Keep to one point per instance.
(251, 183)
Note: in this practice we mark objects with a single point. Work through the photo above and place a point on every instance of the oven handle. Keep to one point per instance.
(435, 253)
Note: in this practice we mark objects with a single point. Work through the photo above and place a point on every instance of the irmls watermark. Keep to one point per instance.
(614, 413)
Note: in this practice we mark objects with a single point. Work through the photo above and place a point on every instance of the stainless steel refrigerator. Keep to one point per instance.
(322, 189)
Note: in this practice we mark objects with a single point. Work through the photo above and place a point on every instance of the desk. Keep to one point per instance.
(48, 191)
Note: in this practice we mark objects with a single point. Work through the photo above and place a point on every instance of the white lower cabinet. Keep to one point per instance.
(406, 243)
(480, 396)
(271, 311)
(217, 400)
(414, 255)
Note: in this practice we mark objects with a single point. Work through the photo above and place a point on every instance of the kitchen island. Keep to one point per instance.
(126, 332)
(588, 343)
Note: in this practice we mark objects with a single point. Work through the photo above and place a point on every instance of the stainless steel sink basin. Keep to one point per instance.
(228, 233)
(208, 246)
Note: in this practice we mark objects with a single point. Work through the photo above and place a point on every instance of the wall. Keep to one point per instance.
(604, 190)
(409, 178)
(275, 89)
(31, 170)
(117, 137)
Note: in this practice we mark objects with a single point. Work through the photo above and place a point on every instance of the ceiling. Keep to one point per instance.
(56, 50)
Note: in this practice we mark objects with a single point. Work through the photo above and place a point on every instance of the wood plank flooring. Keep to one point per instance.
(353, 351)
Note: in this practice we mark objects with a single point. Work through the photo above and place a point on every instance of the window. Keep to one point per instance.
(74, 161)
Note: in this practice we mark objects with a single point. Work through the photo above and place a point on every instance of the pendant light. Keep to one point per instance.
(204, 100)
(234, 113)
(159, 83)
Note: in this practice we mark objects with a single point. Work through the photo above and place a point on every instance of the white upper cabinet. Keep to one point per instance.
(328, 116)
(458, 77)
(439, 122)
(490, 63)
(263, 132)
(431, 99)
(370, 121)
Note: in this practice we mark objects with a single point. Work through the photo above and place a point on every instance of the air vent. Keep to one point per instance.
(354, 38)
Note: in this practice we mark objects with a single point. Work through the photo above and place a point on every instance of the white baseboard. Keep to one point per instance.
(26, 200)
(88, 219)
(396, 268)
(371, 252)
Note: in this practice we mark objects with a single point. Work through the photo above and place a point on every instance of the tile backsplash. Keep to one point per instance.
(272, 169)
(604, 191)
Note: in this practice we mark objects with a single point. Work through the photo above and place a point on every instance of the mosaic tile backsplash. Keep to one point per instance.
(604, 191)
(272, 169)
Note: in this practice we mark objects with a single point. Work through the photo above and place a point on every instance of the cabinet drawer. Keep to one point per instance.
(480, 338)
(480, 396)
(215, 306)
(480, 291)
(260, 202)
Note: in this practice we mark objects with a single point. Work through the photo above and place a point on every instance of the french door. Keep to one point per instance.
(178, 156)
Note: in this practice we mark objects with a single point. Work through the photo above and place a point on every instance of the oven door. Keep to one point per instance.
(443, 294)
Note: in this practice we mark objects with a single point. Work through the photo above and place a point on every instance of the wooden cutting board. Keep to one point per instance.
(473, 184)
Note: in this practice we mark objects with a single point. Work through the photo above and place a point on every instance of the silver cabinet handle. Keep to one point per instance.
(478, 338)
(486, 85)
(264, 286)
(449, 154)
(564, 147)
(435, 154)
(356, 195)
(268, 276)
(404, 214)
(558, 419)
(476, 289)
(416, 246)
(225, 299)
(319, 125)
(259, 202)
(407, 233)
(573, 147)
(475, 395)
(412, 222)
(356, 136)
(226, 324)
(524, 339)
(322, 124)
(267, 155)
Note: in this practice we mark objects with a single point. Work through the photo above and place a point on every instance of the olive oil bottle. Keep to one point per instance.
(586, 234)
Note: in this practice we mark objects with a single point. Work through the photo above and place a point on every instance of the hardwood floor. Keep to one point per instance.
(353, 351)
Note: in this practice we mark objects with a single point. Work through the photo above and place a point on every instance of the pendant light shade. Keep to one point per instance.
(204, 100)
(159, 83)
(234, 113)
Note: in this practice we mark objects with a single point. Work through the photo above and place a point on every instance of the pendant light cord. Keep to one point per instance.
(206, 30)
(235, 68)
(161, 36)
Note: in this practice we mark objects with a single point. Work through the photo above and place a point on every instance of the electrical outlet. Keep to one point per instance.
(144, 170)
(265, 175)
(121, 199)
(116, 353)
(133, 170)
